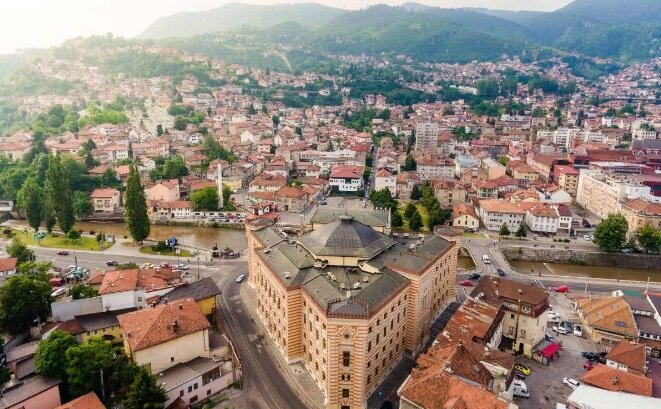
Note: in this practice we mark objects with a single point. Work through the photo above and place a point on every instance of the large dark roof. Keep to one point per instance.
(374, 218)
(198, 290)
(346, 237)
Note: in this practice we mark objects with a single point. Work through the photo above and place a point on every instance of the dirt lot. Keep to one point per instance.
(545, 381)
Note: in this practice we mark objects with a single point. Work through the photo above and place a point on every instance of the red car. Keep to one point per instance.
(465, 283)
(588, 365)
(62, 253)
(561, 289)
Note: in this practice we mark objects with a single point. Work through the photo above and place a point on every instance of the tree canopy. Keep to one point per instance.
(611, 233)
(205, 199)
(50, 359)
(137, 219)
(24, 299)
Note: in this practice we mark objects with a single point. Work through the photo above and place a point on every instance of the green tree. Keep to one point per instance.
(145, 392)
(396, 220)
(416, 193)
(137, 219)
(409, 163)
(227, 198)
(50, 359)
(60, 195)
(180, 123)
(89, 160)
(109, 178)
(409, 210)
(80, 291)
(504, 230)
(251, 110)
(205, 199)
(382, 199)
(29, 201)
(415, 222)
(35, 267)
(276, 120)
(174, 168)
(159, 130)
(47, 210)
(521, 231)
(611, 233)
(649, 239)
(84, 363)
(24, 299)
(20, 251)
(82, 205)
(437, 215)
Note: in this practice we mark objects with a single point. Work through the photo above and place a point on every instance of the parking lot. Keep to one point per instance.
(545, 381)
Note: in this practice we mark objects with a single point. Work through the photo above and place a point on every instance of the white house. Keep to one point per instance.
(196, 380)
(384, 179)
(495, 212)
(346, 178)
(543, 218)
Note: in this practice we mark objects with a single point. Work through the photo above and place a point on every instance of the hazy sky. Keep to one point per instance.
(40, 23)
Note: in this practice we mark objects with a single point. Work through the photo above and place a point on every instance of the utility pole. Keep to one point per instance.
(198, 265)
(103, 388)
(586, 284)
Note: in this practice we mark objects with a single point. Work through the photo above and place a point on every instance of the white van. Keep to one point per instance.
(486, 259)
(520, 389)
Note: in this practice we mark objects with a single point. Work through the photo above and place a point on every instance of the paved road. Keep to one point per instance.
(264, 385)
(483, 246)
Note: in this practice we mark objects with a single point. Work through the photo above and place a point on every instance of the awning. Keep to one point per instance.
(550, 350)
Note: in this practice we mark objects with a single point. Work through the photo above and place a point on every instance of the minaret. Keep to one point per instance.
(219, 181)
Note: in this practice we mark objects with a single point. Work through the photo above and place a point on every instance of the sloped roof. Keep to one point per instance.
(609, 313)
(630, 354)
(346, 237)
(153, 326)
(197, 290)
(605, 377)
(87, 401)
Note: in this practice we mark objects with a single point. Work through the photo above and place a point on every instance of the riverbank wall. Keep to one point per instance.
(582, 257)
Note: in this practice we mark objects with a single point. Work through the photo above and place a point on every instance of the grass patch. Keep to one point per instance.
(478, 235)
(150, 250)
(60, 241)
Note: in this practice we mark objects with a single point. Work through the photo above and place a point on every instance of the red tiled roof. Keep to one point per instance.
(87, 401)
(611, 379)
(153, 326)
(630, 354)
(8, 264)
(104, 193)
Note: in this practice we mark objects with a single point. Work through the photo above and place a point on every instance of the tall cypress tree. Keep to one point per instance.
(47, 210)
(29, 201)
(60, 194)
(136, 207)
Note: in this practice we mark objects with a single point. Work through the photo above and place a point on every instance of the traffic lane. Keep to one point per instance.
(263, 377)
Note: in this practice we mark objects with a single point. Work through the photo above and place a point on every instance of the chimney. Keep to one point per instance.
(175, 326)
(181, 306)
(615, 380)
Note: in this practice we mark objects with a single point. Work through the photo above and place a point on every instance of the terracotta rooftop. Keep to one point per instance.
(7, 264)
(87, 401)
(103, 193)
(609, 313)
(124, 280)
(644, 207)
(153, 326)
(496, 290)
(448, 378)
(291, 192)
(630, 354)
(605, 377)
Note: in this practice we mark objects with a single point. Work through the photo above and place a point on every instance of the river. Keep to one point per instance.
(203, 237)
(590, 271)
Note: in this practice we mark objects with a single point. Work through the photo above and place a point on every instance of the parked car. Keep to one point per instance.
(586, 223)
(520, 389)
(111, 263)
(241, 278)
(62, 253)
(586, 237)
(578, 331)
(522, 368)
(465, 283)
(474, 276)
(182, 266)
(588, 355)
(166, 265)
(571, 382)
(561, 289)
(486, 259)
(58, 292)
(588, 365)
(551, 316)
(501, 272)
(560, 330)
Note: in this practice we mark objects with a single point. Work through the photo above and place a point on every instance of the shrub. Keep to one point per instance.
(92, 232)
(73, 235)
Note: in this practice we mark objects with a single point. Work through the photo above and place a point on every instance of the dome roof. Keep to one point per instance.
(346, 237)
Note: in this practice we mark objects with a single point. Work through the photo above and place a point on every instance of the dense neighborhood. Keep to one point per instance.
(396, 247)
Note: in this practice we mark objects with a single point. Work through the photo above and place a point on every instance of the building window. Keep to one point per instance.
(346, 358)
(345, 393)
(171, 359)
(369, 346)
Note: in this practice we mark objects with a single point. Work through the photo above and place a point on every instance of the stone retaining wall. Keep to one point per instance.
(582, 257)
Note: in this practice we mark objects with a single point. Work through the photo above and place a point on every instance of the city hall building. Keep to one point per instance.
(348, 301)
